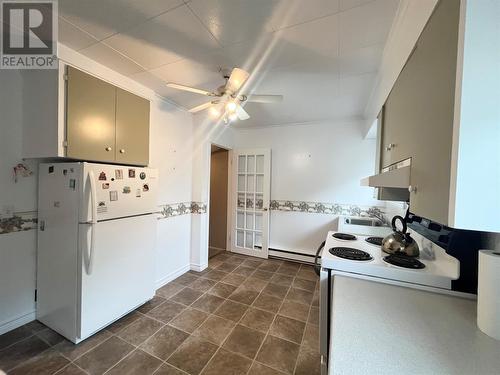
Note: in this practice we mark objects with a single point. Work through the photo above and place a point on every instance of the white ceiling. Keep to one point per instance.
(322, 55)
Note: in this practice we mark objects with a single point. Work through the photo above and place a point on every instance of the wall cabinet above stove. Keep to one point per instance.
(444, 113)
(71, 114)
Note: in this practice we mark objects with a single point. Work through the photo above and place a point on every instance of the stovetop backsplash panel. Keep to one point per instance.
(461, 244)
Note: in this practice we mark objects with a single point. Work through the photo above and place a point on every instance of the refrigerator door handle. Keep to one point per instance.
(89, 250)
(93, 193)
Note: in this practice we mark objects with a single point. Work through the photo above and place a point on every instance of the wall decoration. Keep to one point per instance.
(20, 221)
(21, 170)
(326, 208)
(184, 208)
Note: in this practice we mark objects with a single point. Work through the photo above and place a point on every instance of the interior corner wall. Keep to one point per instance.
(319, 163)
(17, 250)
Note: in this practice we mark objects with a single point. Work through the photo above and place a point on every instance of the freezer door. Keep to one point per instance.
(118, 191)
(117, 275)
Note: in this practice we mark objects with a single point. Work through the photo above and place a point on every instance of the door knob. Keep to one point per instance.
(412, 189)
(108, 148)
(122, 151)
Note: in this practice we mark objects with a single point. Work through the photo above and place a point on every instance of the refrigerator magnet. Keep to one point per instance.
(72, 184)
(131, 173)
(145, 187)
(102, 176)
(118, 174)
(142, 175)
(138, 193)
(113, 195)
(126, 190)
(105, 185)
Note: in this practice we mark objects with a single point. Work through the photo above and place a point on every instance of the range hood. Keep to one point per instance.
(393, 182)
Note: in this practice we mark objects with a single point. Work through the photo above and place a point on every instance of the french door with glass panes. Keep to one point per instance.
(251, 169)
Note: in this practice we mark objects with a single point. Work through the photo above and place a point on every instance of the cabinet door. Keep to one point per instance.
(418, 113)
(132, 128)
(90, 117)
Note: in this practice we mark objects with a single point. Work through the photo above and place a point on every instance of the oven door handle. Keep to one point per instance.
(317, 267)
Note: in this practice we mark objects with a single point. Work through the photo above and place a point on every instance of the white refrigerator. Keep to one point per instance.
(96, 238)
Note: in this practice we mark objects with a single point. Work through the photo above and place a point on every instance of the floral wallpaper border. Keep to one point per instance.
(184, 208)
(326, 208)
(19, 222)
(24, 221)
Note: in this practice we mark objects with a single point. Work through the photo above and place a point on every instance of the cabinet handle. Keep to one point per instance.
(390, 146)
(412, 189)
(122, 151)
(108, 148)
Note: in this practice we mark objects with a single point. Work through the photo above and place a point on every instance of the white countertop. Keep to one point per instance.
(386, 329)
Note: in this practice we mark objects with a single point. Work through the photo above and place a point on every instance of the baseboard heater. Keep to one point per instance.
(289, 255)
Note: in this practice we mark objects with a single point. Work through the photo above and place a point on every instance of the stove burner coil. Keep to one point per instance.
(375, 240)
(344, 236)
(404, 261)
(350, 253)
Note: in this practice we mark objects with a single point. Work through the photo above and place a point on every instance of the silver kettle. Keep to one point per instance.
(400, 242)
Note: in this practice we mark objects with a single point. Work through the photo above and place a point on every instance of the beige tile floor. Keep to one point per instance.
(242, 315)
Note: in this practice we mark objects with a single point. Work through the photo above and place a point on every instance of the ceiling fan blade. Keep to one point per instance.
(236, 80)
(190, 89)
(241, 113)
(201, 107)
(265, 98)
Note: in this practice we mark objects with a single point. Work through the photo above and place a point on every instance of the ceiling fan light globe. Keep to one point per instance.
(231, 107)
(233, 117)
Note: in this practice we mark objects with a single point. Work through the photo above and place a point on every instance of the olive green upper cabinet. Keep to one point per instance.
(132, 128)
(71, 114)
(443, 112)
(418, 114)
(90, 117)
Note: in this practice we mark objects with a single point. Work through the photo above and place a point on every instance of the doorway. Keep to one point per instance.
(217, 233)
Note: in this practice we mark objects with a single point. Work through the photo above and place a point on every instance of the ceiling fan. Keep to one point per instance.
(227, 101)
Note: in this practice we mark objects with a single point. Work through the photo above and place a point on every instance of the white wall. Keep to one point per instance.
(171, 152)
(17, 250)
(205, 133)
(321, 162)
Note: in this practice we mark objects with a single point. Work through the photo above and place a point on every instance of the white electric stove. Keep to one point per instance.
(361, 256)
(434, 267)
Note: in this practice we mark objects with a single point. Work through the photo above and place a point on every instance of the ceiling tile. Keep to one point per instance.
(73, 37)
(293, 12)
(102, 18)
(112, 59)
(361, 60)
(348, 4)
(170, 37)
(314, 41)
(366, 25)
(233, 21)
